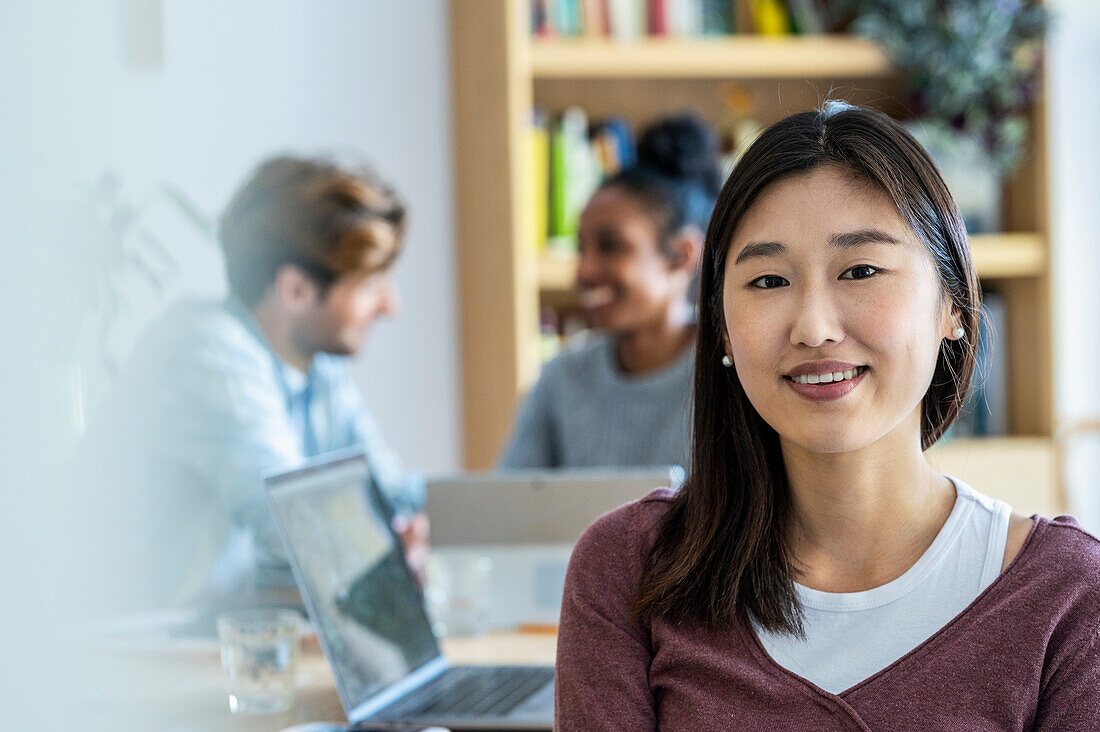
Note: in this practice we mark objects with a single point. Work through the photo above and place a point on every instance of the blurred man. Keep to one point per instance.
(217, 393)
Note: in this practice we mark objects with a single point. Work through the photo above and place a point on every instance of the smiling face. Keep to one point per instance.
(826, 283)
(625, 281)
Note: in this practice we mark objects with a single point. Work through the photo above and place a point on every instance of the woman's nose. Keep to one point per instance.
(587, 268)
(817, 320)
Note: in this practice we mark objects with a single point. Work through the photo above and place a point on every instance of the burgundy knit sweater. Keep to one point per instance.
(1024, 655)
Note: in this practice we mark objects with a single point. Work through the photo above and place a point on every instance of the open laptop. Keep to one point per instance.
(534, 506)
(525, 522)
(370, 618)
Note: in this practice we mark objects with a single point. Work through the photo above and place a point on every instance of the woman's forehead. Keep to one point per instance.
(815, 208)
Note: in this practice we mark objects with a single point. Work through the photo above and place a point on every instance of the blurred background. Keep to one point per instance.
(127, 124)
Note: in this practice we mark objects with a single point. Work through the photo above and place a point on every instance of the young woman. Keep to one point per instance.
(815, 572)
(623, 397)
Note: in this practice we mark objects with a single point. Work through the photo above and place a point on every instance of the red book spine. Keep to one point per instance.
(658, 17)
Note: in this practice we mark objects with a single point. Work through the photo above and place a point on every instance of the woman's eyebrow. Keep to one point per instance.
(760, 249)
(861, 236)
(836, 241)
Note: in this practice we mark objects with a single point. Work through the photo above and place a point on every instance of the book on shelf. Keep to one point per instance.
(805, 17)
(574, 175)
(770, 17)
(631, 19)
(567, 169)
(538, 171)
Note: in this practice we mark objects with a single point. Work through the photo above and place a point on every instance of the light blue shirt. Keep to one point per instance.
(203, 409)
(852, 635)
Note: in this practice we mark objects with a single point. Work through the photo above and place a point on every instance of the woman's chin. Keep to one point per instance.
(828, 443)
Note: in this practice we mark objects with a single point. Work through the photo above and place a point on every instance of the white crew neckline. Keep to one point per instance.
(912, 578)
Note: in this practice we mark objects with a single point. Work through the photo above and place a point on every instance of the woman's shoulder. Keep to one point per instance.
(1063, 543)
(1059, 563)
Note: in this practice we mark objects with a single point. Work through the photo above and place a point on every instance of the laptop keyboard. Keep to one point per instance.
(472, 691)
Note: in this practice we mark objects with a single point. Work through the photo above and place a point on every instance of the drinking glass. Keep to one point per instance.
(259, 650)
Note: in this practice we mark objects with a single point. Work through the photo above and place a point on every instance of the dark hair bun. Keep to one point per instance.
(682, 147)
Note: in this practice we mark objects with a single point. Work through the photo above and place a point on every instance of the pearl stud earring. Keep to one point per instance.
(959, 332)
(727, 361)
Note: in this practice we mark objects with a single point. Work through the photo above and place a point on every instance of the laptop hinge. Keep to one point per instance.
(392, 693)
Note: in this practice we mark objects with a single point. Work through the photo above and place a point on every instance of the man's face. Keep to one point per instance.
(339, 321)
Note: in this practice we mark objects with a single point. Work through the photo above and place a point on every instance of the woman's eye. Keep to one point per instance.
(858, 272)
(769, 282)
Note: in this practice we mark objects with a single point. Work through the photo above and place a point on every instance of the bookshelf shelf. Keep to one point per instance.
(734, 57)
(1002, 256)
(557, 272)
(996, 256)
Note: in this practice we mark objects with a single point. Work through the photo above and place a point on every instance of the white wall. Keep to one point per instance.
(1074, 120)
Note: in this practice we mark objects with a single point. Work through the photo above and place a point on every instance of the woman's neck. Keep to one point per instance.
(861, 519)
(656, 345)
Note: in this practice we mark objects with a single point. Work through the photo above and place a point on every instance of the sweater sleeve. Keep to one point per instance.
(602, 673)
(533, 443)
(1069, 698)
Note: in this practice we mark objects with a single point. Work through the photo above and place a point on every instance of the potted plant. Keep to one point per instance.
(970, 69)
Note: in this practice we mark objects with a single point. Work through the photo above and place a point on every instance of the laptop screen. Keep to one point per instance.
(352, 572)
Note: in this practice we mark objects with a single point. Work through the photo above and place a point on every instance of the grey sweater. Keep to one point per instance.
(585, 412)
(1024, 655)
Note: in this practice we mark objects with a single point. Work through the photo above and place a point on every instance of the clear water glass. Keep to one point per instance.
(259, 650)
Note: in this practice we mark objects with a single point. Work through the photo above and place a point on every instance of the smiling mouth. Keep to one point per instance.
(828, 377)
(596, 297)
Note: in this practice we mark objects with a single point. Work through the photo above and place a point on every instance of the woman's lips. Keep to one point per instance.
(826, 392)
(595, 297)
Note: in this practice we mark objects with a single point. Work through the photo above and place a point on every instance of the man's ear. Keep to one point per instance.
(294, 289)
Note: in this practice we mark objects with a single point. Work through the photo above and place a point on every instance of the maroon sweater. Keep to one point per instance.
(1024, 655)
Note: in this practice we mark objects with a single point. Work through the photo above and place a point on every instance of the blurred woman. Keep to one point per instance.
(622, 397)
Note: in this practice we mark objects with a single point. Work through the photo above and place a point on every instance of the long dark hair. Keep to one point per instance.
(723, 546)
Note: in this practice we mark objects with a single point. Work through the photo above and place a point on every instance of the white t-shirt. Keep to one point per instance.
(852, 635)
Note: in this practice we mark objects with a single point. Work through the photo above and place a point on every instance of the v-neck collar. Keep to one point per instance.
(764, 658)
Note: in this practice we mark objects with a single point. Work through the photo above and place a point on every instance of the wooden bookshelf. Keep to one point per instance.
(1021, 471)
(500, 73)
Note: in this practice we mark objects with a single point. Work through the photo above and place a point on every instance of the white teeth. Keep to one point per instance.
(827, 378)
(597, 296)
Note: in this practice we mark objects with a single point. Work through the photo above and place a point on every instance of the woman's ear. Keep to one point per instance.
(686, 248)
(952, 321)
(726, 348)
